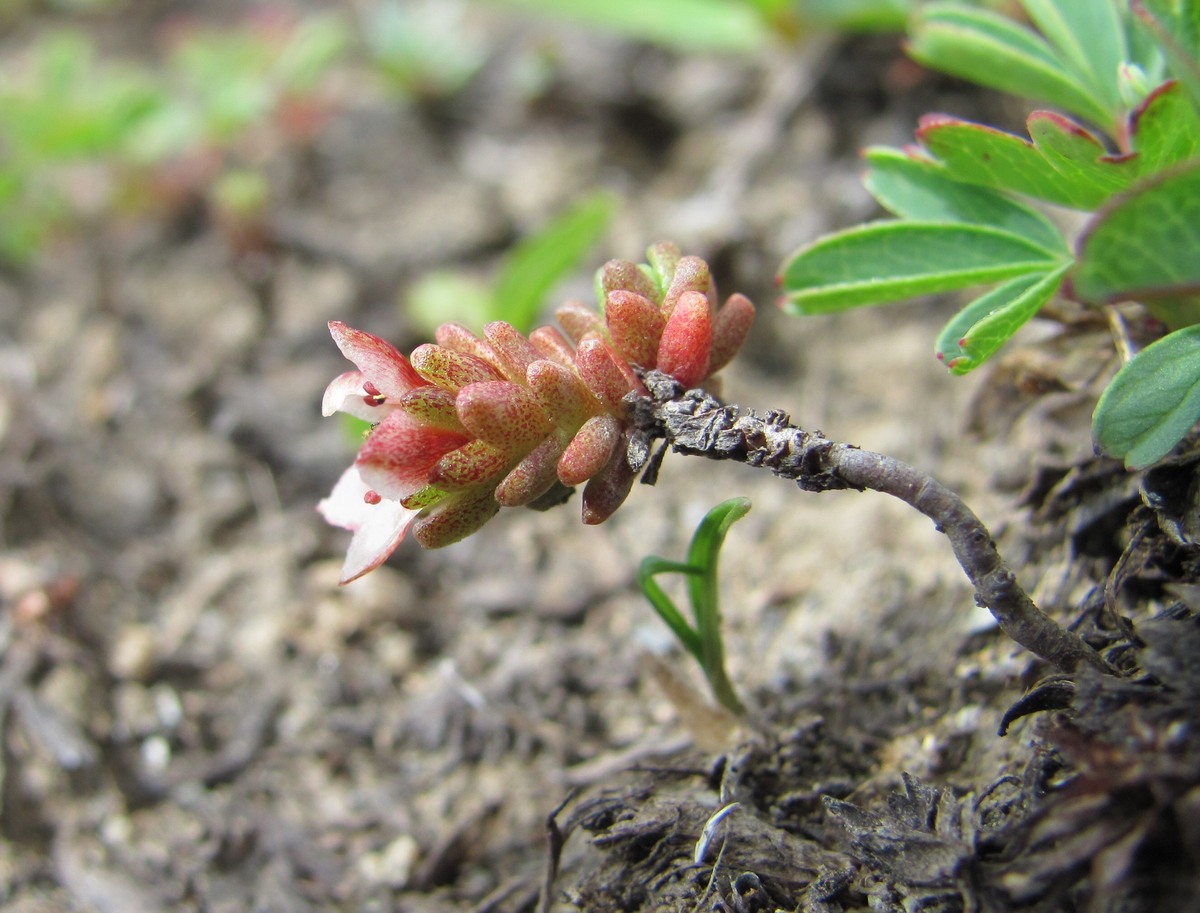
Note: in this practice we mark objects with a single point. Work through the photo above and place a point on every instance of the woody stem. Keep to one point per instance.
(693, 422)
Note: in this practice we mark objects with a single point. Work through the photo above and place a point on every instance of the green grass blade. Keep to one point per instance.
(651, 566)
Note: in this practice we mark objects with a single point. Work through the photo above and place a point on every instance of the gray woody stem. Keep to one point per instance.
(693, 422)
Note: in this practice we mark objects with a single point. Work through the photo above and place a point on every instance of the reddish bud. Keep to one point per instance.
(590, 450)
(503, 414)
(687, 340)
(372, 497)
(635, 325)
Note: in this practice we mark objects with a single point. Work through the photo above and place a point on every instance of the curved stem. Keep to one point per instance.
(693, 422)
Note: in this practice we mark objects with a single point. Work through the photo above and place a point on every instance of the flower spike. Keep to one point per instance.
(471, 424)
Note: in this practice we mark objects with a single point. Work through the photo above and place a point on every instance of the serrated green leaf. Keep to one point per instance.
(1153, 401)
(984, 325)
(922, 190)
(994, 51)
(884, 262)
(684, 25)
(1080, 158)
(1165, 129)
(984, 155)
(540, 261)
(1090, 39)
(1146, 245)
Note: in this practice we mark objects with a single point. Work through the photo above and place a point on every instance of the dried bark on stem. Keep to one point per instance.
(693, 422)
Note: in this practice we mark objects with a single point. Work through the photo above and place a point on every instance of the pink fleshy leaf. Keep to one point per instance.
(590, 450)
(434, 407)
(533, 476)
(378, 528)
(606, 375)
(561, 393)
(455, 519)
(472, 463)
(578, 320)
(515, 351)
(635, 325)
(398, 456)
(691, 275)
(731, 326)
(504, 414)
(452, 370)
(379, 361)
(625, 275)
(607, 490)
(552, 344)
(687, 340)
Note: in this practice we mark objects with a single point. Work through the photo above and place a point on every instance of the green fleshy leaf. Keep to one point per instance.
(1146, 245)
(1153, 401)
(1166, 129)
(883, 262)
(921, 190)
(1090, 39)
(983, 326)
(994, 51)
(984, 155)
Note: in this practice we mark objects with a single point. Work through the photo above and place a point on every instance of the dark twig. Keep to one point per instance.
(693, 422)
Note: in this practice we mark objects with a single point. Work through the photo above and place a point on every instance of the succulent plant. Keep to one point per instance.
(471, 424)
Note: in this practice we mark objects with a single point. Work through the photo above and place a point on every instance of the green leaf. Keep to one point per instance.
(994, 51)
(539, 262)
(651, 566)
(1165, 129)
(1146, 245)
(1175, 27)
(1153, 401)
(856, 15)
(979, 329)
(682, 25)
(1090, 39)
(984, 155)
(884, 262)
(921, 190)
(1080, 158)
(444, 296)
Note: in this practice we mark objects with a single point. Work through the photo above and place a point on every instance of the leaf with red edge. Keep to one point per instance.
(1165, 129)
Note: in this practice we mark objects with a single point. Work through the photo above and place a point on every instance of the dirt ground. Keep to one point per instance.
(195, 717)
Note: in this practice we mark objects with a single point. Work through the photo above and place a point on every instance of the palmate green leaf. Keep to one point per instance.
(683, 25)
(1090, 40)
(1146, 244)
(884, 262)
(984, 325)
(539, 262)
(994, 51)
(1165, 129)
(1153, 401)
(1065, 164)
(920, 189)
